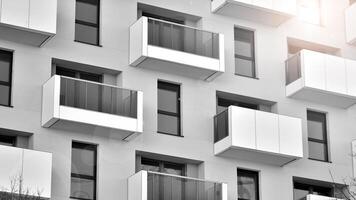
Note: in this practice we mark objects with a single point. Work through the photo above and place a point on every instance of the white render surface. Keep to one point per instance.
(142, 54)
(325, 79)
(269, 12)
(34, 168)
(318, 197)
(267, 137)
(32, 22)
(52, 112)
(350, 16)
(116, 158)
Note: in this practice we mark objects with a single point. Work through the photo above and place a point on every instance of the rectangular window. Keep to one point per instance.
(247, 185)
(83, 173)
(5, 77)
(8, 140)
(87, 14)
(168, 121)
(245, 52)
(317, 136)
(149, 164)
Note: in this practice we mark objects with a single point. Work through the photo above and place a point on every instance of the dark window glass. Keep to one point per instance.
(301, 190)
(5, 77)
(168, 120)
(244, 52)
(149, 164)
(83, 172)
(247, 185)
(87, 14)
(223, 104)
(8, 140)
(317, 136)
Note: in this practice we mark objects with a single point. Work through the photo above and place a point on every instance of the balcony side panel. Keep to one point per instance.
(351, 77)
(50, 101)
(353, 153)
(37, 172)
(139, 111)
(10, 167)
(137, 186)
(138, 41)
(350, 16)
(43, 15)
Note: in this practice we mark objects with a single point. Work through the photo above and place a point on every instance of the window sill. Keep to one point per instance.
(169, 134)
(313, 159)
(256, 78)
(9, 106)
(96, 45)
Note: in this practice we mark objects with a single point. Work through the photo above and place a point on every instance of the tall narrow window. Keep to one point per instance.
(245, 52)
(5, 77)
(83, 176)
(317, 136)
(87, 14)
(247, 185)
(168, 121)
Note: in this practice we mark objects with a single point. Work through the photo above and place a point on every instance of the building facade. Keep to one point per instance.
(221, 99)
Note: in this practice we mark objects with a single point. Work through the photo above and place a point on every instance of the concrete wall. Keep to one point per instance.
(116, 159)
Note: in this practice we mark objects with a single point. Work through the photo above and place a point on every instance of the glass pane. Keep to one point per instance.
(4, 95)
(316, 125)
(167, 100)
(168, 124)
(87, 34)
(293, 69)
(244, 67)
(82, 188)
(246, 188)
(317, 150)
(94, 97)
(300, 194)
(4, 69)
(243, 48)
(86, 12)
(83, 161)
(221, 129)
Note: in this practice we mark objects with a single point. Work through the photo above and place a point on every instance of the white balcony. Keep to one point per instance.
(77, 101)
(258, 136)
(31, 22)
(146, 185)
(269, 12)
(321, 78)
(175, 48)
(350, 16)
(26, 169)
(318, 197)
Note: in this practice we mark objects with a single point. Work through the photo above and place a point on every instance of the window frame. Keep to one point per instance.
(253, 52)
(8, 83)
(90, 24)
(164, 85)
(253, 174)
(86, 146)
(325, 136)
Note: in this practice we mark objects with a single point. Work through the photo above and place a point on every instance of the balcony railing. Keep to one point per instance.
(318, 197)
(160, 186)
(221, 126)
(183, 38)
(321, 78)
(98, 97)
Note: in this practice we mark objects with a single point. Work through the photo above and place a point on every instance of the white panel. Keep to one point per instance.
(286, 6)
(11, 165)
(15, 12)
(290, 136)
(138, 47)
(263, 3)
(243, 127)
(335, 74)
(136, 190)
(267, 134)
(350, 16)
(50, 101)
(139, 111)
(245, 1)
(318, 197)
(43, 15)
(314, 69)
(37, 172)
(351, 77)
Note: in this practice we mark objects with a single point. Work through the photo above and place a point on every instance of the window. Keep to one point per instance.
(223, 104)
(309, 11)
(247, 185)
(5, 77)
(317, 136)
(245, 52)
(87, 14)
(8, 140)
(83, 173)
(149, 164)
(168, 121)
(78, 74)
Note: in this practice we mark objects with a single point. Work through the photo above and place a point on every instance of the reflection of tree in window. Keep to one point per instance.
(247, 183)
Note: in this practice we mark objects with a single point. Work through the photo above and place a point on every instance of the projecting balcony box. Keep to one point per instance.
(175, 48)
(350, 16)
(258, 136)
(321, 78)
(73, 100)
(31, 22)
(269, 12)
(146, 185)
(318, 197)
(26, 169)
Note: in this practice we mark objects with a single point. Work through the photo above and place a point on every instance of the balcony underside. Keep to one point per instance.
(251, 13)
(22, 35)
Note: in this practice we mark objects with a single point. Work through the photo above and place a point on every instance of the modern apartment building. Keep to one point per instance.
(177, 99)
